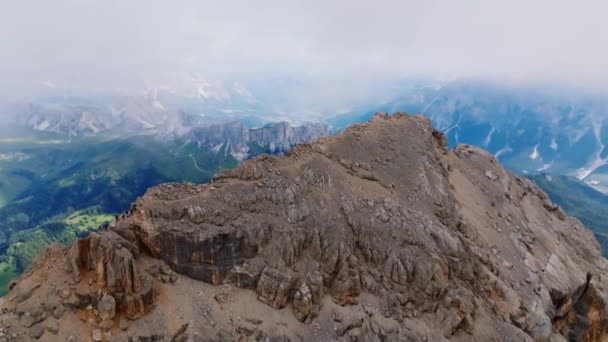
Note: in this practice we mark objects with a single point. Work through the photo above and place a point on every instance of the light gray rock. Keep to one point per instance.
(52, 326)
(96, 335)
(106, 308)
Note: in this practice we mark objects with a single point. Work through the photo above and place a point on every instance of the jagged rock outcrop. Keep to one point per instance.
(139, 116)
(379, 233)
(281, 136)
(237, 140)
(109, 262)
(579, 314)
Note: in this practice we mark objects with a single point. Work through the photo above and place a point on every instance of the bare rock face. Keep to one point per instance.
(379, 233)
(236, 139)
(110, 259)
(275, 287)
(579, 315)
(109, 262)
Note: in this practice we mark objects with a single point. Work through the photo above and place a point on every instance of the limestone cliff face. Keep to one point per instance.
(237, 140)
(281, 136)
(379, 233)
(141, 117)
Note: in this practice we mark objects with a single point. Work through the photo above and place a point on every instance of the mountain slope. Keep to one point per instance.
(529, 129)
(379, 233)
(48, 179)
(579, 200)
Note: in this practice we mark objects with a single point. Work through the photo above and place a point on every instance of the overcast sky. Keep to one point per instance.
(120, 40)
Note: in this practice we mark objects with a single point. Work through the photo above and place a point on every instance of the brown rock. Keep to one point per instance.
(106, 307)
(302, 303)
(124, 324)
(275, 287)
(36, 331)
(110, 258)
(31, 316)
(580, 315)
(52, 326)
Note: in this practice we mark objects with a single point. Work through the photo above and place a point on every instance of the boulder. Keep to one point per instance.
(36, 331)
(106, 307)
(96, 335)
(31, 315)
(52, 326)
(275, 287)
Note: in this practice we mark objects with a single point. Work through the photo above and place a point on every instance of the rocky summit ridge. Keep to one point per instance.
(380, 233)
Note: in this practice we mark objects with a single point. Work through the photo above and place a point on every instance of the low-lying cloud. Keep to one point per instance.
(115, 42)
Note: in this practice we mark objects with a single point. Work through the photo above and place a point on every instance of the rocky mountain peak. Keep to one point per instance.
(378, 233)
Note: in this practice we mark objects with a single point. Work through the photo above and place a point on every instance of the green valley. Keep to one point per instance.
(54, 190)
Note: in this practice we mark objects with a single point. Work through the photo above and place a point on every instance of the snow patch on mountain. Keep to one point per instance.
(545, 167)
(597, 161)
(553, 145)
(582, 173)
(535, 155)
(502, 151)
(14, 156)
(42, 126)
(488, 138)
(145, 123)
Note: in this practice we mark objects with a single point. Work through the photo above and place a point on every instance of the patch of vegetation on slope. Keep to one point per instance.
(89, 172)
(58, 191)
(579, 200)
(25, 245)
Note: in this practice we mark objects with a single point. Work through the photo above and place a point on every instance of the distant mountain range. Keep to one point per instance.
(65, 169)
(79, 109)
(530, 130)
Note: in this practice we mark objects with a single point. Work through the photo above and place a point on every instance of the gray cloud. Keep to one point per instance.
(114, 42)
